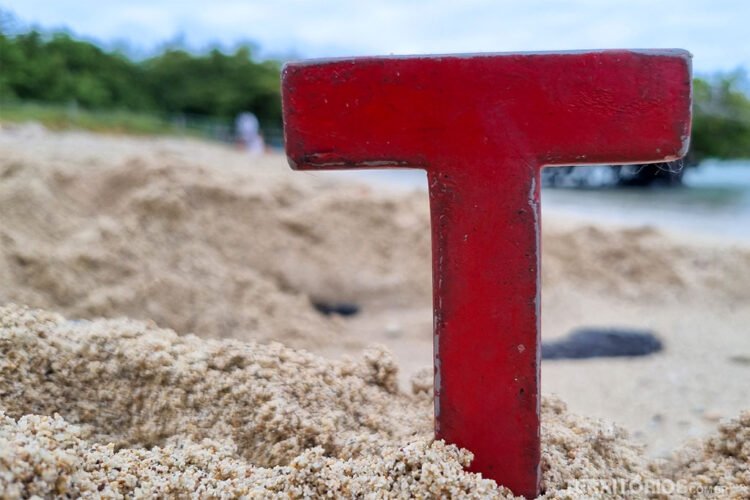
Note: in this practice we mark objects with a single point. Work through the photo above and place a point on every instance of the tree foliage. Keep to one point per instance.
(57, 68)
(721, 117)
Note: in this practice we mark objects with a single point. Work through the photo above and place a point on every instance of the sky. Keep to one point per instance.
(717, 32)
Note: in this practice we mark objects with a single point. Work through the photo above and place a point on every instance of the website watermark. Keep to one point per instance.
(638, 487)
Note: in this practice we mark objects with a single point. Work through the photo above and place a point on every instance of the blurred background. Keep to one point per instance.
(187, 67)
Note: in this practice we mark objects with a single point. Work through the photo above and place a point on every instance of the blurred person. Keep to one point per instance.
(248, 133)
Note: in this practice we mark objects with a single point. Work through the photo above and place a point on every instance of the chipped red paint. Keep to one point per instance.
(483, 126)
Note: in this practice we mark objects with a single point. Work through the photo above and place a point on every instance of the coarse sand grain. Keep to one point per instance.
(123, 408)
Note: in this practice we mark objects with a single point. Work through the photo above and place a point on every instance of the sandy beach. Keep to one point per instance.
(217, 259)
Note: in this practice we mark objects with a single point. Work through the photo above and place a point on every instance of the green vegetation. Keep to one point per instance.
(63, 72)
(721, 117)
(59, 117)
(64, 82)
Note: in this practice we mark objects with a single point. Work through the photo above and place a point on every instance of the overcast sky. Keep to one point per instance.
(717, 32)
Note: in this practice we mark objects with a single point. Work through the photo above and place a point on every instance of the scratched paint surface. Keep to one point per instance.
(483, 126)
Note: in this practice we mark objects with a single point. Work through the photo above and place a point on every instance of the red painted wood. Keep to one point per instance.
(483, 126)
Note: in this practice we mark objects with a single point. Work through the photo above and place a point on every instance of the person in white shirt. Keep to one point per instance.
(248, 133)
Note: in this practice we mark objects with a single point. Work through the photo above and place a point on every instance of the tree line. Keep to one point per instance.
(57, 68)
(721, 117)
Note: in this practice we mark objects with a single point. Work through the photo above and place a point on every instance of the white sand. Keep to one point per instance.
(122, 408)
(202, 239)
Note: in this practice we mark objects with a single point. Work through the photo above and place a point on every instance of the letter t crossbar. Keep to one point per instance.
(483, 126)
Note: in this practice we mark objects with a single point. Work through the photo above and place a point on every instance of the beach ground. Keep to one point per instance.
(202, 238)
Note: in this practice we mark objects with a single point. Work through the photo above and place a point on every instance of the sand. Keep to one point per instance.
(202, 240)
(188, 235)
(120, 407)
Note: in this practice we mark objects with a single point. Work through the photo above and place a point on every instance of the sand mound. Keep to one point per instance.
(211, 469)
(122, 406)
(720, 465)
(190, 236)
(200, 238)
(131, 384)
(641, 263)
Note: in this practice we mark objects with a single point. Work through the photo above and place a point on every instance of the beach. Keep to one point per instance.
(154, 264)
